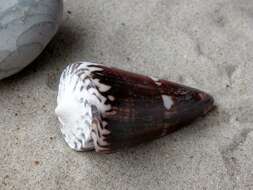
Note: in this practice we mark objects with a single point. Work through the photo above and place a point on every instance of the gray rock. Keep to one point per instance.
(26, 27)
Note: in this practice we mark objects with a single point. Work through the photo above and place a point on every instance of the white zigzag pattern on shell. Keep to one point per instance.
(78, 92)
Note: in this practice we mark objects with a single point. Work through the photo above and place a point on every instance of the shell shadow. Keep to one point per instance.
(160, 156)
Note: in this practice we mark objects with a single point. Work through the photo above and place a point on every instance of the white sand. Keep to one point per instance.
(205, 44)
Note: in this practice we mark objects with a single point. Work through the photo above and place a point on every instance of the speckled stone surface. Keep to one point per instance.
(205, 44)
(26, 27)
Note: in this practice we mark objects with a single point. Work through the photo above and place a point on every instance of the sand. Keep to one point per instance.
(204, 44)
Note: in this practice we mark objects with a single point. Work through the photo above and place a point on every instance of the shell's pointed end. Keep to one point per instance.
(208, 102)
(196, 104)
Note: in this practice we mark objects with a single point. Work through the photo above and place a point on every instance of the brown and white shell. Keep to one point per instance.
(107, 109)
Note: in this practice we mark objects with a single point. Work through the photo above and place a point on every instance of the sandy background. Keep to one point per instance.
(205, 44)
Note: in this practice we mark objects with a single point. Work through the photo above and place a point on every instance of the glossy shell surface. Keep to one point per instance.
(108, 109)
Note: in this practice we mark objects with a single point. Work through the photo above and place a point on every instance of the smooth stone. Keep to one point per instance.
(26, 27)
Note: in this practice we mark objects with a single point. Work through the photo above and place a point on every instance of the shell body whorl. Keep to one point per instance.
(123, 108)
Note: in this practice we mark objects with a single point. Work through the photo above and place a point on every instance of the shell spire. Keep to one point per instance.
(107, 109)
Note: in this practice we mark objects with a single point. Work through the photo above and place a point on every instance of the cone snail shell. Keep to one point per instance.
(107, 109)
